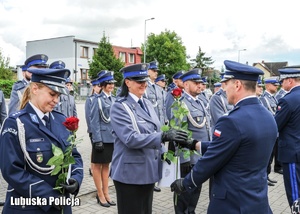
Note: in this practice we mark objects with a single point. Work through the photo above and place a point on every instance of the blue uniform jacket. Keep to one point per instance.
(17, 89)
(237, 158)
(137, 156)
(67, 105)
(100, 125)
(269, 102)
(21, 178)
(287, 117)
(87, 111)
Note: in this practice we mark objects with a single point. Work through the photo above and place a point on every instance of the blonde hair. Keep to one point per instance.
(27, 93)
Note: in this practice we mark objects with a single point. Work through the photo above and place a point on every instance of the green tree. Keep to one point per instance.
(167, 49)
(5, 71)
(104, 59)
(202, 61)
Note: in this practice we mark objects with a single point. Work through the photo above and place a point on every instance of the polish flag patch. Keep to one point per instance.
(217, 133)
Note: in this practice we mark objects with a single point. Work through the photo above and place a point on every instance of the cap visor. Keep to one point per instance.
(58, 89)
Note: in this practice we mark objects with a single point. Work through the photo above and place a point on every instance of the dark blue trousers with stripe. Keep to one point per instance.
(291, 177)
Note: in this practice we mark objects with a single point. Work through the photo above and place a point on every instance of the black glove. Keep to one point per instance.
(185, 168)
(72, 187)
(190, 144)
(177, 186)
(167, 160)
(174, 135)
(99, 146)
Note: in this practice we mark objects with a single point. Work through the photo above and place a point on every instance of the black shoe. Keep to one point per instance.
(111, 203)
(271, 184)
(102, 204)
(272, 181)
(2, 203)
(280, 171)
(156, 189)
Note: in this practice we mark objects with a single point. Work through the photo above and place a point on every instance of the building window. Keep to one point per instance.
(84, 52)
(84, 74)
(95, 51)
(122, 56)
(131, 58)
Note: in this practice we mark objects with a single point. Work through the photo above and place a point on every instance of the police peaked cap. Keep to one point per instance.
(53, 78)
(178, 74)
(193, 75)
(37, 60)
(136, 72)
(153, 65)
(236, 70)
(57, 65)
(107, 77)
(160, 78)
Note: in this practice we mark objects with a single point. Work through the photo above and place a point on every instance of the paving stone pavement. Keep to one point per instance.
(162, 203)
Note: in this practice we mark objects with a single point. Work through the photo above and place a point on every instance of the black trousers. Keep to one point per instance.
(134, 199)
(277, 164)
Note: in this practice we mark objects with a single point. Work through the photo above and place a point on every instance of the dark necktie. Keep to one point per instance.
(47, 121)
(109, 98)
(142, 105)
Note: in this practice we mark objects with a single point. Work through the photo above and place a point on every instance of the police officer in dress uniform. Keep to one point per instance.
(87, 107)
(287, 117)
(199, 124)
(175, 79)
(161, 81)
(102, 137)
(26, 146)
(238, 155)
(269, 101)
(259, 87)
(217, 86)
(36, 61)
(169, 98)
(218, 104)
(203, 96)
(136, 164)
(66, 104)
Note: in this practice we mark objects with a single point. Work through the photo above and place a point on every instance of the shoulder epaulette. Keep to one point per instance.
(218, 93)
(18, 113)
(121, 99)
(18, 85)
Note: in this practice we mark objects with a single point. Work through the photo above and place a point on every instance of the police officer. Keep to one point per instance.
(66, 104)
(269, 101)
(161, 81)
(287, 117)
(218, 104)
(175, 79)
(169, 98)
(203, 96)
(154, 93)
(259, 87)
(26, 146)
(199, 124)
(102, 137)
(36, 61)
(136, 164)
(239, 152)
(217, 86)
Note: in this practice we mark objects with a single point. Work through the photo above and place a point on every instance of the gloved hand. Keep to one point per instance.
(99, 146)
(190, 144)
(167, 160)
(72, 187)
(177, 186)
(174, 135)
(185, 168)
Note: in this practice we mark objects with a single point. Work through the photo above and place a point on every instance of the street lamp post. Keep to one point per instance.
(239, 53)
(145, 45)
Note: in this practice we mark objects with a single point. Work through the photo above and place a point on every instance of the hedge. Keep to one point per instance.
(6, 86)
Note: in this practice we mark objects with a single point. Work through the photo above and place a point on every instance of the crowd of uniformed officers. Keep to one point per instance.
(237, 131)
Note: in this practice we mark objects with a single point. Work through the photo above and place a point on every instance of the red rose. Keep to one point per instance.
(176, 92)
(71, 123)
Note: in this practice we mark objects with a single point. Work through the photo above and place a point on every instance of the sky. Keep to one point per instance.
(248, 31)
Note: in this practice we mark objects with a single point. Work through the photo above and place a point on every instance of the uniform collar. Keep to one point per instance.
(39, 113)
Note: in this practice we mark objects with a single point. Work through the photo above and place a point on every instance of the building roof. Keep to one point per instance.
(272, 67)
